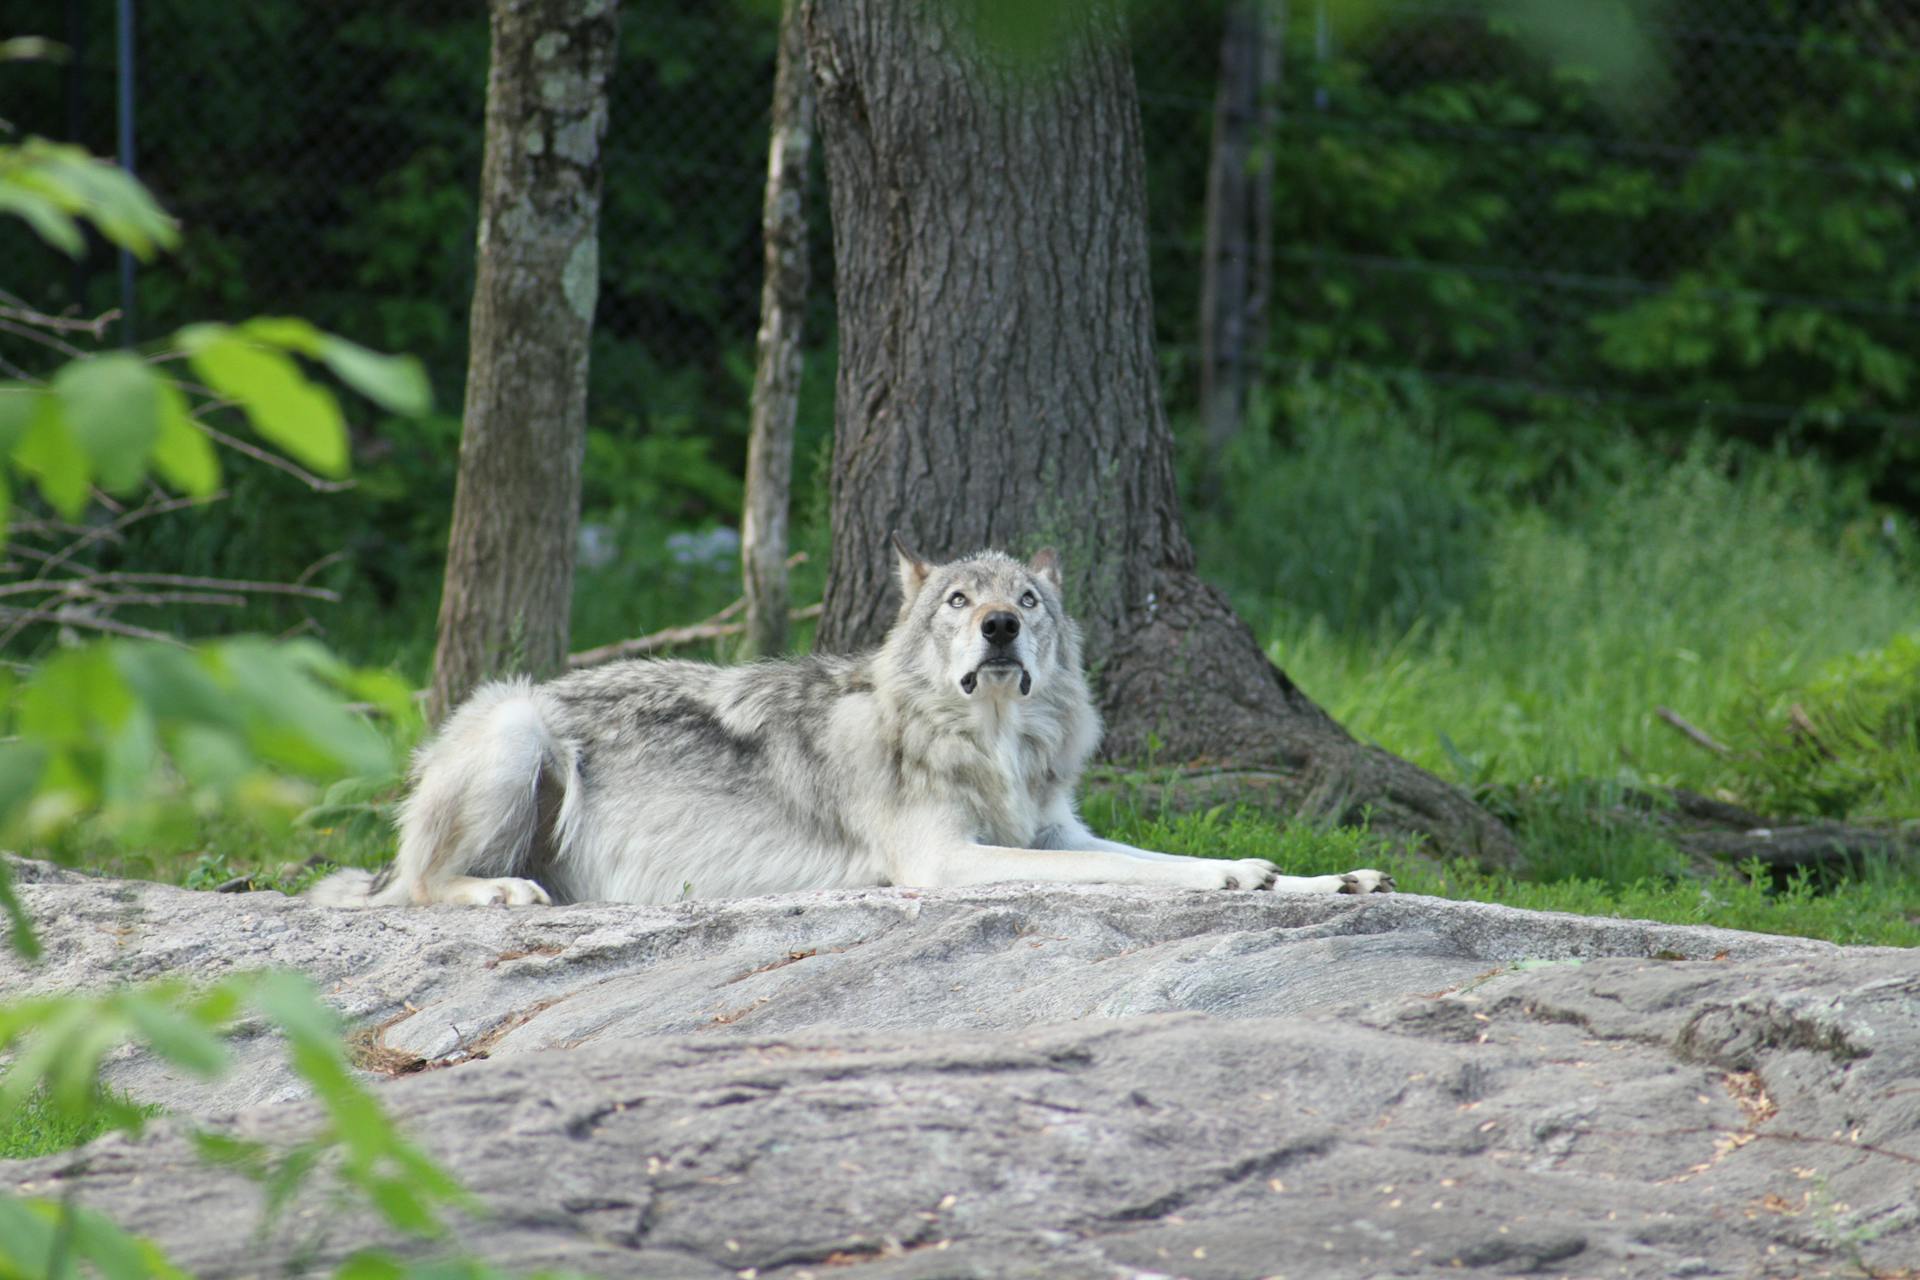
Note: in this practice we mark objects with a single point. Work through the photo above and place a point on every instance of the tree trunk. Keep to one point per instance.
(998, 386)
(1237, 262)
(776, 377)
(516, 508)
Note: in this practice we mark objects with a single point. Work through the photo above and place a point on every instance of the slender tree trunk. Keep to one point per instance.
(516, 507)
(998, 386)
(776, 377)
(1266, 145)
(1237, 266)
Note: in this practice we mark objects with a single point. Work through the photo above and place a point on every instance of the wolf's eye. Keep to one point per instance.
(958, 599)
(1028, 600)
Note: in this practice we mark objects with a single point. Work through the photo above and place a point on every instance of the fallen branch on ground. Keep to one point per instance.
(715, 628)
(1694, 733)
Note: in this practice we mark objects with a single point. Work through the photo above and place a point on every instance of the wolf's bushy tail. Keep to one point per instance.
(491, 795)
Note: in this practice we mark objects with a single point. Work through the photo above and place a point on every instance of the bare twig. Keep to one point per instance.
(663, 639)
(112, 530)
(42, 338)
(1694, 733)
(1801, 725)
(317, 483)
(35, 528)
(324, 562)
(131, 599)
(715, 628)
(17, 309)
(62, 618)
(219, 584)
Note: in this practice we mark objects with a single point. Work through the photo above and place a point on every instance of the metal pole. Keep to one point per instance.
(76, 73)
(123, 40)
(1322, 50)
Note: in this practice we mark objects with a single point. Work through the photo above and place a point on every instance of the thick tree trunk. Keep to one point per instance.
(998, 386)
(1228, 286)
(516, 509)
(776, 377)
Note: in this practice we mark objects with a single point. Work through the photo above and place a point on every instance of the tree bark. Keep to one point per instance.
(516, 510)
(1235, 261)
(998, 386)
(776, 376)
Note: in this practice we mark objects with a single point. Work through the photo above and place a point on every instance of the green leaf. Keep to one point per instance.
(27, 1236)
(292, 719)
(402, 1206)
(294, 1006)
(74, 182)
(112, 405)
(74, 699)
(22, 763)
(59, 465)
(47, 218)
(175, 684)
(247, 1155)
(20, 935)
(370, 1266)
(116, 1254)
(33, 49)
(73, 1074)
(129, 757)
(175, 1037)
(395, 383)
(284, 406)
(42, 1049)
(18, 405)
(182, 454)
(210, 757)
(299, 336)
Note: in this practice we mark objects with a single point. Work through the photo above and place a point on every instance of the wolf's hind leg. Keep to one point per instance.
(485, 795)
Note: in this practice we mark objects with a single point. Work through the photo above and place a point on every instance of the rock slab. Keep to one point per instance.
(1019, 1081)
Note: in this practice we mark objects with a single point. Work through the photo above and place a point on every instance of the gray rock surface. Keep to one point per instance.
(1086, 1081)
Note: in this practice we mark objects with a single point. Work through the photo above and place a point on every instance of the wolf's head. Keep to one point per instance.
(985, 626)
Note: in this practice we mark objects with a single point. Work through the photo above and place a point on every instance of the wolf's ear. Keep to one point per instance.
(1046, 563)
(912, 569)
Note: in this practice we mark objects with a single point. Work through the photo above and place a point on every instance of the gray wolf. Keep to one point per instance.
(946, 757)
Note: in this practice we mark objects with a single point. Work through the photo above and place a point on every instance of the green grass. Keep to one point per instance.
(1512, 617)
(37, 1129)
(1878, 907)
(1713, 594)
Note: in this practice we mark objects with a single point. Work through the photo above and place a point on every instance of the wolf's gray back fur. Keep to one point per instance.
(946, 756)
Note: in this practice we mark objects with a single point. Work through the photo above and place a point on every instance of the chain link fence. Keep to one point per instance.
(1709, 213)
(1728, 227)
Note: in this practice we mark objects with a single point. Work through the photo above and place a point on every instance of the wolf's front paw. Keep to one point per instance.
(510, 891)
(1247, 873)
(1366, 882)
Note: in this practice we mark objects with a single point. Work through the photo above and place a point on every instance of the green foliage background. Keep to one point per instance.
(1729, 237)
(1588, 389)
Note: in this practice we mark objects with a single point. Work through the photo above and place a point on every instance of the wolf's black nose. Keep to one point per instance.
(1000, 628)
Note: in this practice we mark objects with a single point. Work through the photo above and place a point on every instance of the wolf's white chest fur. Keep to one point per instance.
(989, 765)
